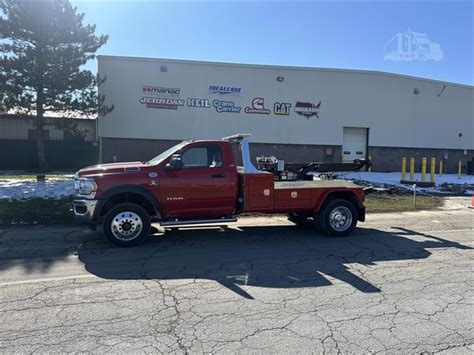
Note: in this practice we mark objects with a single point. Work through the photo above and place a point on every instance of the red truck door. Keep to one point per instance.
(206, 186)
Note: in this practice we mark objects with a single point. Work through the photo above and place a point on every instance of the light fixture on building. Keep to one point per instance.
(280, 78)
(164, 68)
(416, 91)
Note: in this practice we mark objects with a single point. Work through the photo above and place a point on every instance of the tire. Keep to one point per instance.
(338, 218)
(126, 224)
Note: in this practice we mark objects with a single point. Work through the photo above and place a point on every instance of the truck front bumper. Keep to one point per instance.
(84, 210)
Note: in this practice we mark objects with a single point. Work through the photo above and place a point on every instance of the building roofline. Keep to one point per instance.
(280, 67)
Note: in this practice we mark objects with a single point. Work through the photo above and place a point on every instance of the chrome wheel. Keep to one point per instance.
(126, 226)
(340, 219)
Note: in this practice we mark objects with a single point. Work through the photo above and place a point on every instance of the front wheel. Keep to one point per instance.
(126, 224)
(338, 218)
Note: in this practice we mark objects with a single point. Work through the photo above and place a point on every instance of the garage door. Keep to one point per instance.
(354, 145)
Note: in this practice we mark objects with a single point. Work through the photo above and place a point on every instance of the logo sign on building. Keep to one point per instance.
(162, 102)
(307, 109)
(225, 106)
(158, 90)
(281, 108)
(222, 89)
(196, 102)
(257, 107)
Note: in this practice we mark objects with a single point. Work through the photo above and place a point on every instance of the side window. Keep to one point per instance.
(195, 157)
(214, 156)
(203, 157)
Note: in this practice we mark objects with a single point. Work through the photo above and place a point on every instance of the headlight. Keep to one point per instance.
(85, 187)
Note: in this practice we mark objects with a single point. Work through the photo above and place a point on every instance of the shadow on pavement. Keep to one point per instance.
(273, 256)
(278, 257)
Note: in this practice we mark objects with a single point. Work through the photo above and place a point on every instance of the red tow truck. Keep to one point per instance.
(198, 182)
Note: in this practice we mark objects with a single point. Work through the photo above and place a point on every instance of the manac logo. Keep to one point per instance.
(307, 109)
(159, 90)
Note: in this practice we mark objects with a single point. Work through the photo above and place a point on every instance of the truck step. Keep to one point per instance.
(197, 221)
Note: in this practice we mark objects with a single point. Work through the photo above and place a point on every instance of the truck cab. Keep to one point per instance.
(198, 182)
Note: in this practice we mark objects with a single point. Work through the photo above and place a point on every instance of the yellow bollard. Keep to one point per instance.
(370, 167)
(412, 169)
(459, 169)
(423, 169)
(404, 169)
(432, 170)
(440, 167)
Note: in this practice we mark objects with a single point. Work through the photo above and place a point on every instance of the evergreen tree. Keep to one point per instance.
(43, 46)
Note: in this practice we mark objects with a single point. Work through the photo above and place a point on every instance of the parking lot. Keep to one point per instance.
(402, 283)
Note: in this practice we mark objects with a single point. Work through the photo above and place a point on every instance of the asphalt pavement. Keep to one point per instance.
(402, 283)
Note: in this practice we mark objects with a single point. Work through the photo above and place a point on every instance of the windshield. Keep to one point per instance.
(166, 153)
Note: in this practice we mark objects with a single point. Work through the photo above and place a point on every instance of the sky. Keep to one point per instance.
(328, 34)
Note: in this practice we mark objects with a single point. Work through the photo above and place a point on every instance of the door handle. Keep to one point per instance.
(218, 176)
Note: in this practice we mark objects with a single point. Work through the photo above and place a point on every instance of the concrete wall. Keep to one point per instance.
(385, 103)
(21, 154)
(384, 158)
(142, 150)
(13, 127)
(390, 159)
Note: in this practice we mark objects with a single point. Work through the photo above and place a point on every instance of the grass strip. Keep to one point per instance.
(400, 203)
(36, 211)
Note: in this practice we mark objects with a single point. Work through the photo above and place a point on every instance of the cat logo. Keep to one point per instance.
(281, 108)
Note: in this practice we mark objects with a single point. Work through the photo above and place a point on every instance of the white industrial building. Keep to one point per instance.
(294, 113)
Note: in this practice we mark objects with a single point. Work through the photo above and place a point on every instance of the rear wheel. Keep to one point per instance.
(126, 224)
(338, 218)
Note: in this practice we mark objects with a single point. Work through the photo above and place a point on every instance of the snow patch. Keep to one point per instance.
(16, 189)
(394, 179)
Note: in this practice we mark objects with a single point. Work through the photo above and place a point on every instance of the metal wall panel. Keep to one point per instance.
(385, 103)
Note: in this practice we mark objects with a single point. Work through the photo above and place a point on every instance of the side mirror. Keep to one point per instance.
(175, 163)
